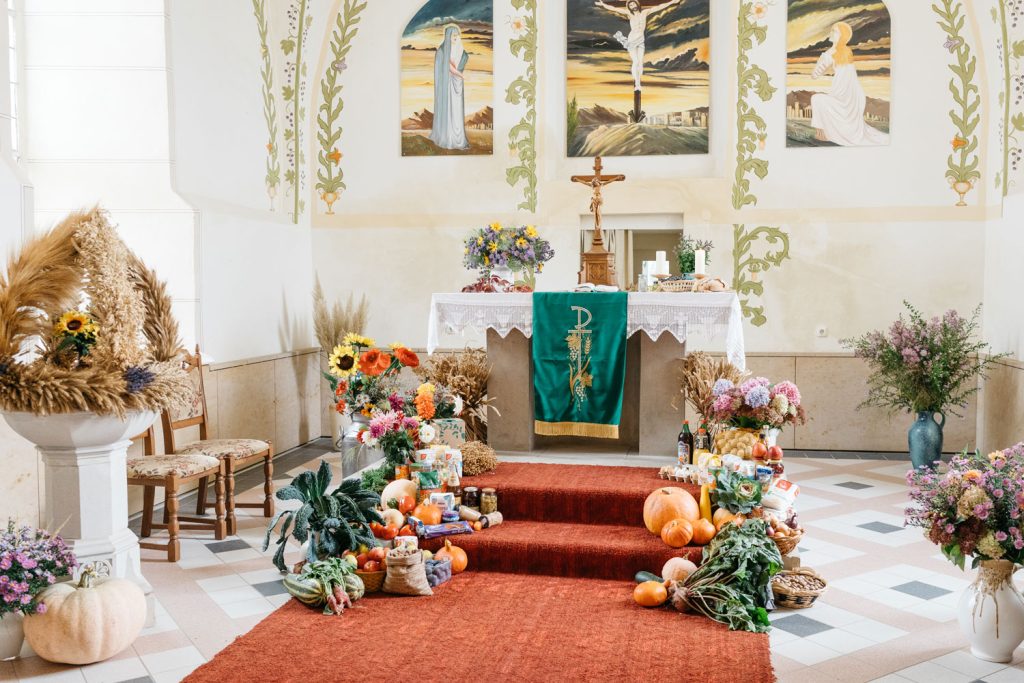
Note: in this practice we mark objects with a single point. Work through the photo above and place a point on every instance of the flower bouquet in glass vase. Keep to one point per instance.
(756, 406)
(971, 508)
(508, 258)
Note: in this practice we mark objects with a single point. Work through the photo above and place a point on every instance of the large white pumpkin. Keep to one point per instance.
(88, 621)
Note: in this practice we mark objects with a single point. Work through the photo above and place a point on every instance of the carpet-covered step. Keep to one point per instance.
(596, 551)
(580, 494)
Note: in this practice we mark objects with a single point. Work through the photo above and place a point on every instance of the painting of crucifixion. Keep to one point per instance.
(637, 77)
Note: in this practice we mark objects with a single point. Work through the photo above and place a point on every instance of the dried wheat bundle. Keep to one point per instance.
(465, 373)
(332, 323)
(477, 458)
(83, 258)
(700, 371)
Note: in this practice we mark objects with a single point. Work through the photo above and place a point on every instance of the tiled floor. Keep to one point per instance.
(888, 615)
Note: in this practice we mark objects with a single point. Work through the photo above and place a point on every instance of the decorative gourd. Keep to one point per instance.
(427, 513)
(392, 516)
(305, 590)
(455, 554)
(666, 504)
(88, 621)
(677, 569)
(677, 533)
(354, 586)
(703, 532)
(650, 594)
(397, 489)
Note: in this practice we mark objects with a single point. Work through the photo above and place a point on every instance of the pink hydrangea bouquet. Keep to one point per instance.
(30, 560)
(971, 506)
(757, 403)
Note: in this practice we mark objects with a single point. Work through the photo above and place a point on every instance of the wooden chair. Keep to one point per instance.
(171, 472)
(235, 453)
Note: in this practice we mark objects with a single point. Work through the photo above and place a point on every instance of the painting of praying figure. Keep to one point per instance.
(448, 79)
(637, 77)
(838, 73)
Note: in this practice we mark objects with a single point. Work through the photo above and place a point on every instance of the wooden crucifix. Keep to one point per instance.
(597, 263)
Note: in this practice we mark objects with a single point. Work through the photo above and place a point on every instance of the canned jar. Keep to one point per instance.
(471, 497)
(488, 501)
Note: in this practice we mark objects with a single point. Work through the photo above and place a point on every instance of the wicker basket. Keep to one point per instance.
(675, 285)
(793, 598)
(788, 544)
(373, 581)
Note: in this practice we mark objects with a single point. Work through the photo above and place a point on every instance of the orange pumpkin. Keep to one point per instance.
(703, 532)
(721, 520)
(650, 594)
(677, 533)
(427, 513)
(455, 554)
(666, 504)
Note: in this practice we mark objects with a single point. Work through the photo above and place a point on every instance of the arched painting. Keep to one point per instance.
(838, 85)
(448, 79)
(637, 77)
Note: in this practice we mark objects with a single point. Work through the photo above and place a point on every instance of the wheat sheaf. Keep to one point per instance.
(136, 362)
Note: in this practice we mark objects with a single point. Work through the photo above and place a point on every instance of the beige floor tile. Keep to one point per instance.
(160, 642)
(170, 660)
(114, 670)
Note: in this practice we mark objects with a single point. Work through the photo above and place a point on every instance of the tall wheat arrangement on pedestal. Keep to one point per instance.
(134, 365)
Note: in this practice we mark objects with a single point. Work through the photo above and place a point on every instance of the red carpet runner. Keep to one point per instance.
(536, 621)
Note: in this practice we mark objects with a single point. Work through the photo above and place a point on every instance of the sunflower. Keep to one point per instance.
(406, 357)
(342, 362)
(353, 339)
(75, 323)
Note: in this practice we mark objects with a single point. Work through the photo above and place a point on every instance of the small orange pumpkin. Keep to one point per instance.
(650, 594)
(427, 513)
(455, 554)
(677, 533)
(703, 532)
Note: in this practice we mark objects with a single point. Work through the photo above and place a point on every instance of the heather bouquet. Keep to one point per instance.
(498, 246)
(364, 378)
(924, 365)
(757, 403)
(971, 506)
(30, 560)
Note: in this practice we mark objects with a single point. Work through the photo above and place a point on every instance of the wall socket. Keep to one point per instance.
(821, 331)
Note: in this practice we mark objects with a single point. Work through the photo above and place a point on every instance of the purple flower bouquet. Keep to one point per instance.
(757, 403)
(30, 560)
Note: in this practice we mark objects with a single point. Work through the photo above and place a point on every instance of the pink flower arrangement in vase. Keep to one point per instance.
(757, 404)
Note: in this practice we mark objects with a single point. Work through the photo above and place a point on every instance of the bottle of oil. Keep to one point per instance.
(685, 445)
(701, 444)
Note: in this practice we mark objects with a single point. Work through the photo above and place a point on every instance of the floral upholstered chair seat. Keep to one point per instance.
(149, 466)
(225, 448)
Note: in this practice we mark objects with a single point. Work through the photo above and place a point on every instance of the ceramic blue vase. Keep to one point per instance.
(925, 439)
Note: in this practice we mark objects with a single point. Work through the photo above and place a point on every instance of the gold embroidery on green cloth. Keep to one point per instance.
(580, 341)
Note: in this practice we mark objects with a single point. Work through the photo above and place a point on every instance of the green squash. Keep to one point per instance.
(354, 586)
(306, 590)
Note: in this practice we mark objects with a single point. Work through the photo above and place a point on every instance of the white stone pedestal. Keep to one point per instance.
(87, 486)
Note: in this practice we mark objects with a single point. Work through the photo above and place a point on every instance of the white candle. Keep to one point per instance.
(698, 262)
(660, 257)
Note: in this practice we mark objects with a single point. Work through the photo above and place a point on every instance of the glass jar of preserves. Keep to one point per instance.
(488, 501)
(471, 497)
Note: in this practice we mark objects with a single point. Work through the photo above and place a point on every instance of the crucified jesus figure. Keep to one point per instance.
(634, 42)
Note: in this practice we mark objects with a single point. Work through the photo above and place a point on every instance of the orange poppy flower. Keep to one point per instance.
(406, 357)
(374, 362)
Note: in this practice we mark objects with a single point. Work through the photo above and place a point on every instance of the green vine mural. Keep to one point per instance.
(522, 138)
(330, 177)
(1009, 15)
(751, 131)
(293, 93)
(963, 162)
(273, 177)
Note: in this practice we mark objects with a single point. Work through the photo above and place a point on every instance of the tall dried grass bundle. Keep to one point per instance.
(700, 371)
(465, 373)
(332, 322)
(83, 258)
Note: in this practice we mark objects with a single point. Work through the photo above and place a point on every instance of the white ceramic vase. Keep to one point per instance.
(11, 635)
(991, 612)
(86, 486)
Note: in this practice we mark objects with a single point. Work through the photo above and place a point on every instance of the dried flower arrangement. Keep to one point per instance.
(331, 323)
(478, 458)
(86, 326)
(465, 373)
(700, 372)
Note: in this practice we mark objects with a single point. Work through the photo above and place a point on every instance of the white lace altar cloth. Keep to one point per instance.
(709, 314)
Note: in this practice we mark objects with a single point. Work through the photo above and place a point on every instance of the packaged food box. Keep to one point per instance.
(446, 529)
(445, 501)
(406, 542)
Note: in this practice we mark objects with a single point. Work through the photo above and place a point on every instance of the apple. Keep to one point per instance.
(377, 554)
(352, 560)
(759, 451)
(775, 453)
(389, 533)
(361, 560)
(371, 566)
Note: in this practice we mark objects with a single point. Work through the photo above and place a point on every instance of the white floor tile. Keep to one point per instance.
(115, 670)
(159, 662)
(806, 652)
(238, 594)
(874, 630)
(220, 583)
(929, 672)
(963, 662)
(840, 641)
(248, 608)
(262, 576)
(242, 554)
(174, 675)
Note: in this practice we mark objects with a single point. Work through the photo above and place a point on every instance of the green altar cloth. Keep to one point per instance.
(579, 363)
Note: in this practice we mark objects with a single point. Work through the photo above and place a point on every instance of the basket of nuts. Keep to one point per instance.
(797, 588)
